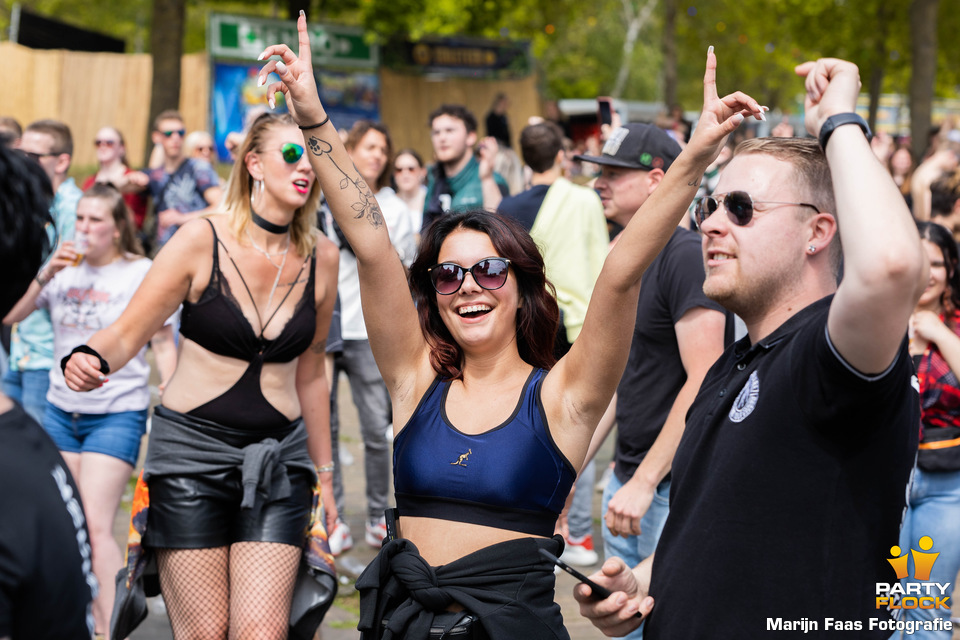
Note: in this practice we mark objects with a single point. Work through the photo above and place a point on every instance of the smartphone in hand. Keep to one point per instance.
(596, 591)
(605, 110)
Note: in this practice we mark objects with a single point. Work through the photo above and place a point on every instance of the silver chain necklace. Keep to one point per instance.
(279, 267)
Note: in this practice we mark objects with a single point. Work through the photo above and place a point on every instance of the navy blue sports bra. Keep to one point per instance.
(217, 324)
(511, 477)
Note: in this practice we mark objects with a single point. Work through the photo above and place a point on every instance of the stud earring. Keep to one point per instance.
(812, 249)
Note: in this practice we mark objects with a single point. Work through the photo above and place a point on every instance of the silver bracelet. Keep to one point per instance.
(325, 468)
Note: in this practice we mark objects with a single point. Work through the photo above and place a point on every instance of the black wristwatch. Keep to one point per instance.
(839, 120)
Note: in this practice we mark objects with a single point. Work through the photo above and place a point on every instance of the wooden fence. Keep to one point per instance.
(91, 90)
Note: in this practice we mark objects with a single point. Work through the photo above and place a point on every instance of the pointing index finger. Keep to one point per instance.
(304, 38)
(710, 78)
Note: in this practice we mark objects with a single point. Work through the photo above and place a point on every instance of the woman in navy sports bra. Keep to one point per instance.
(243, 429)
(489, 431)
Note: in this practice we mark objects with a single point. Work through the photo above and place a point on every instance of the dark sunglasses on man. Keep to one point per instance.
(179, 132)
(739, 206)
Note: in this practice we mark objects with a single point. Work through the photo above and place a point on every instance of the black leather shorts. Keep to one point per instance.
(203, 511)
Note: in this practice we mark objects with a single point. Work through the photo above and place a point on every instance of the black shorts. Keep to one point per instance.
(203, 511)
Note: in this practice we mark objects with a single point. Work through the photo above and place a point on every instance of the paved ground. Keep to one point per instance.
(341, 621)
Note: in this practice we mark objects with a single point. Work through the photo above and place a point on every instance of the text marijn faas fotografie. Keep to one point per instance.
(806, 625)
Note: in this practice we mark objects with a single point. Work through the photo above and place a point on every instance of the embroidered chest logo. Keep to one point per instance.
(746, 400)
(462, 460)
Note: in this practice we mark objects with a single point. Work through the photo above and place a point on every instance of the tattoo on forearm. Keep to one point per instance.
(694, 183)
(319, 347)
(366, 205)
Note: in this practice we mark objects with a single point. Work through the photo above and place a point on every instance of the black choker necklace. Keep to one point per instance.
(266, 225)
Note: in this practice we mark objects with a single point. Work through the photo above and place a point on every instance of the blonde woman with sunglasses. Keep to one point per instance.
(243, 428)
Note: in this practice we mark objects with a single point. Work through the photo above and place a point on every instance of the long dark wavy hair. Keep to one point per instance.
(940, 236)
(538, 317)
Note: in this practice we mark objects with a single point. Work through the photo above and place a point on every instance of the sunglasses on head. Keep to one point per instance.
(179, 132)
(489, 273)
(105, 143)
(291, 152)
(739, 206)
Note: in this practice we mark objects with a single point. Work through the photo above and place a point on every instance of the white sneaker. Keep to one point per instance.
(579, 552)
(376, 533)
(340, 539)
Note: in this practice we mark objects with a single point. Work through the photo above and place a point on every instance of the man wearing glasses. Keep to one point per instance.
(182, 188)
(790, 481)
(49, 144)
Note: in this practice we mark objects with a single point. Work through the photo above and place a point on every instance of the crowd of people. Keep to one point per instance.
(781, 384)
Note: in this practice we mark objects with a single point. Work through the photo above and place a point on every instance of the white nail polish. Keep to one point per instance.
(272, 102)
(281, 68)
(260, 81)
(262, 56)
(710, 49)
(762, 117)
(303, 13)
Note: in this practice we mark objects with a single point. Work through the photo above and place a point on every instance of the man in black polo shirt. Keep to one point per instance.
(46, 581)
(789, 483)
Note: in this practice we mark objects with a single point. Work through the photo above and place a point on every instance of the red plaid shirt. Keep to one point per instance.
(939, 387)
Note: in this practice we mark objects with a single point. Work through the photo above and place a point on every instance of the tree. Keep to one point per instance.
(166, 44)
(923, 36)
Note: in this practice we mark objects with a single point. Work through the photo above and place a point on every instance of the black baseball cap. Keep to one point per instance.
(637, 146)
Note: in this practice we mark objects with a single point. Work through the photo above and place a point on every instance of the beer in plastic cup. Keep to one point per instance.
(80, 244)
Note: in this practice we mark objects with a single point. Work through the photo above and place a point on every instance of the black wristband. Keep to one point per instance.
(314, 126)
(838, 120)
(104, 367)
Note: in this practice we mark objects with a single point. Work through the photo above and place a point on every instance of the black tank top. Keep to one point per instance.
(216, 322)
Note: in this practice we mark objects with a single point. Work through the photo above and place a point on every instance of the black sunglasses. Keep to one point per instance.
(36, 156)
(105, 143)
(291, 152)
(179, 132)
(489, 273)
(739, 206)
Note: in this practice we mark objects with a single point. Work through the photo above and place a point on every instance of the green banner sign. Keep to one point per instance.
(244, 38)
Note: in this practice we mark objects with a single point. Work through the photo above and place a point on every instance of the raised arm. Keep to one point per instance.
(588, 375)
(885, 267)
(389, 313)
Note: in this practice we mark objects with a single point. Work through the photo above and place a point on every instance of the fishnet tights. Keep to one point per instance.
(237, 592)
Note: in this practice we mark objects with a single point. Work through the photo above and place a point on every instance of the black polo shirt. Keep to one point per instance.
(788, 489)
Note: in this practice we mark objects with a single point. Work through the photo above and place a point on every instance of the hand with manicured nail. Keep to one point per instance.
(720, 116)
(297, 83)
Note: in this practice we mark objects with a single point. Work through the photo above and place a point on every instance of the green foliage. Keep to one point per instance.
(578, 45)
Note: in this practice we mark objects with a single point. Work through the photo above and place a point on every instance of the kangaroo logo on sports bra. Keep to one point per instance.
(462, 460)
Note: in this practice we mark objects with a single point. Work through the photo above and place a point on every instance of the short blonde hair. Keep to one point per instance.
(812, 173)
